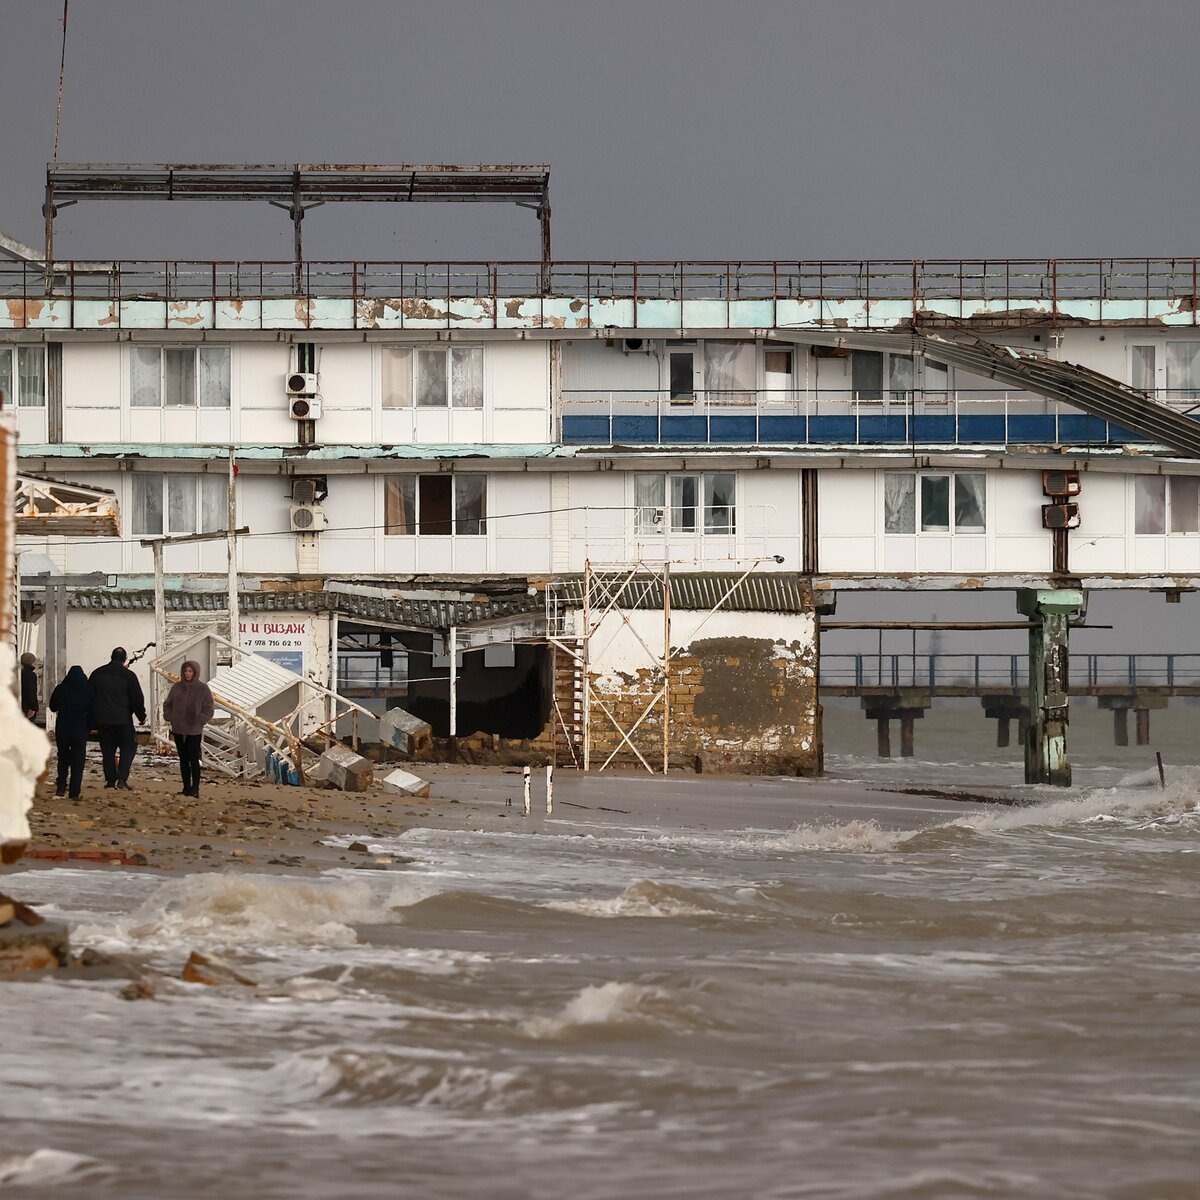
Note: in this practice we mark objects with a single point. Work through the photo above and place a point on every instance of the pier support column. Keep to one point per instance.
(1120, 726)
(1003, 707)
(1048, 610)
(883, 737)
(905, 705)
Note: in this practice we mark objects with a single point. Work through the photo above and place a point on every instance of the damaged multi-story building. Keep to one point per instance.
(591, 509)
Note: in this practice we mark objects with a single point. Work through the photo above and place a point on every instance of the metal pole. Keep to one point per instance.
(585, 663)
(549, 789)
(160, 643)
(452, 645)
(525, 786)
(234, 614)
(666, 732)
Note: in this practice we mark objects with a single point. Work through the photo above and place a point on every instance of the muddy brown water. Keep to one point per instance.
(763, 989)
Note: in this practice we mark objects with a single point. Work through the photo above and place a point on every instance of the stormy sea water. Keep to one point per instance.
(771, 988)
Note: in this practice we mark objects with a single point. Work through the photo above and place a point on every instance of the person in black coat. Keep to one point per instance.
(118, 699)
(29, 686)
(74, 703)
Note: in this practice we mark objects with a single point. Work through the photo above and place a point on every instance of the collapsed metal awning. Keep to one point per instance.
(49, 507)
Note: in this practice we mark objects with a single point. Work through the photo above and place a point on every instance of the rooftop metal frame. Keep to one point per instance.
(298, 187)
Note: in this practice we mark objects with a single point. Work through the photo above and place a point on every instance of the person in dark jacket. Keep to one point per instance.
(29, 686)
(118, 699)
(187, 709)
(74, 703)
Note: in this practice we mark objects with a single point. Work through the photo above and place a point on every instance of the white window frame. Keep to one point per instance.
(448, 352)
(11, 392)
(666, 524)
(953, 529)
(216, 485)
(456, 479)
(917, 391)
(197, 351)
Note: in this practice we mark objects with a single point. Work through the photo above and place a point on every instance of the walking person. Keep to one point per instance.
(75, 705)
(29, 686)
(118, 699)
(187, 709)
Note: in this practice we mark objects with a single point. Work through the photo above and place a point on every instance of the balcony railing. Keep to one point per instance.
(937, 286)
(830, 417)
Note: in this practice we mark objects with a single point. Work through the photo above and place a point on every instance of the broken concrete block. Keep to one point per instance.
(404, 732)
(403, 783)
(214, 971)
(343, 768)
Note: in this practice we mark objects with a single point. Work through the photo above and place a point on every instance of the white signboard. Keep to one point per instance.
(282, 641)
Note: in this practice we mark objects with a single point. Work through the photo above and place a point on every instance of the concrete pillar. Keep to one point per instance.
(1143, 726)
(1120, 726)
(1048, 610)
(908, 717)
(883, 737)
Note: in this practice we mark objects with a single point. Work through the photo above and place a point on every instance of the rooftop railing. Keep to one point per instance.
(997, 282)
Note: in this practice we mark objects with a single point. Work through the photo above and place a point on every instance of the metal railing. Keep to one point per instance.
(928, 282)
(992, 672)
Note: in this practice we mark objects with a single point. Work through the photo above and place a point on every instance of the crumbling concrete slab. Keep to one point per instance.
(345, 769)
(403, 783)
(404, 732)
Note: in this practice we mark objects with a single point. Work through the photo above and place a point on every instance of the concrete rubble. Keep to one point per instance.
(404, 783)
(402, 731)
(343, 768)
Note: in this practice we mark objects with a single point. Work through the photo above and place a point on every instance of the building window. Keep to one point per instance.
(698, 503)
(1183, 370)
(870, 369)
(23, 376)
(940, 503)
(1141, 368)
(437, 505)
(438, 377)
(730, 372)
(179, 376)
(778, 373)
(167, 504)
(1163, 504)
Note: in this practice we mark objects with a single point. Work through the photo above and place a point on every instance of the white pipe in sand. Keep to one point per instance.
(549, 789)
(528, 803)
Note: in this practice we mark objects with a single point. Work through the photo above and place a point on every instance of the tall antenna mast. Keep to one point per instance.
(49, 214)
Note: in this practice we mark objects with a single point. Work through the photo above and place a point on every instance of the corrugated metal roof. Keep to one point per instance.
(760, 591)
(412, 613)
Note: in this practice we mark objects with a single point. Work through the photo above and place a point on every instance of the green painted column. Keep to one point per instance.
(1049, 611)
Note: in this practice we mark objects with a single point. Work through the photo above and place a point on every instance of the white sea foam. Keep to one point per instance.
(642, 899)
(614, 1009)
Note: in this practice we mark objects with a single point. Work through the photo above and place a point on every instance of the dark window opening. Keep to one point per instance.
(436, 504)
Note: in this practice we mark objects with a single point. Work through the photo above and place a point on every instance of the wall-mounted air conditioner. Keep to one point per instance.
(1060, 516)
(636, 345)
(308, 518)
(305, 408)
(1060, 483)
(302, 383)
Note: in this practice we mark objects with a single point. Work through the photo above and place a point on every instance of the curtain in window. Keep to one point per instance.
(179, 377)
(466, 377)
(400, 505)
(145, 376)
(431, 378)
(777, 367)
(397, 377)
(1149, 504)
(214, 503)
(649, 500)
(900, 376)
(935, 503)
(147, 505)
(683, 503)
(1185, 504)
(969, 501)
(937, 381)
(1142, 368)
(1183, 369)
(899, 503)
(6, 392)
(729, 372)
(181, 504)
(31, 367)
(214, 376)
(719, 515)
(470, 504)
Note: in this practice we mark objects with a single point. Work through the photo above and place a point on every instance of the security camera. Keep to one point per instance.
(778, 558)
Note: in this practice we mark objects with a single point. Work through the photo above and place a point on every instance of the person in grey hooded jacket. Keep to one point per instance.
(187, 709)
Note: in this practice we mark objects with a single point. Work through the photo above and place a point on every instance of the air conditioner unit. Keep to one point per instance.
(1060, 483)
(305, 408)
(1060, 516)
(302, 383)
(636, 345)
(304, 490)
(308, 518)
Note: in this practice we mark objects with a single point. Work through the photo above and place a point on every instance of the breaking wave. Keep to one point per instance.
(218, 910)
(46, 1166)
(612, 1010)
(642, 899)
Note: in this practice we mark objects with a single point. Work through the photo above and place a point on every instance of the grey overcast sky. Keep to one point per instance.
(675, 128)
